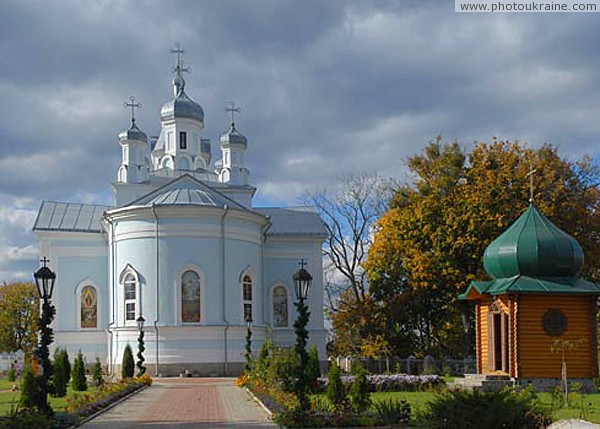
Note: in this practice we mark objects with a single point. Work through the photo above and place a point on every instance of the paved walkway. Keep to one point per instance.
(186, 403)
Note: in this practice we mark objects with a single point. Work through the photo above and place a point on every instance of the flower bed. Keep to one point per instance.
(393, 382)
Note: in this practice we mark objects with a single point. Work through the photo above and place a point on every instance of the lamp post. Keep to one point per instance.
(141, 348)
(248, 354)
(44, 280)
(302, 280)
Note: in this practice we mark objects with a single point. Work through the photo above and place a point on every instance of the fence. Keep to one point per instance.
(411, 365)
(7, 359)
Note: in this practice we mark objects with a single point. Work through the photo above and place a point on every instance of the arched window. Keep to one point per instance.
(190, 297)
(130, 287)
(89, 307)
(247, 296)
(280, 307)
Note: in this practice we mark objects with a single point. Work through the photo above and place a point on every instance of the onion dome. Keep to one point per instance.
(534, 247)
(182, 107)
(133, 133)
(233, 136)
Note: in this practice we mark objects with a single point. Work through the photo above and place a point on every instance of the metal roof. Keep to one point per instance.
(294, 221)
(524, 284)
(55, 216)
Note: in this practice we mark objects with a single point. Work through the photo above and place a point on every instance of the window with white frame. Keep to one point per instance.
(247, 296)
(130, 286)
(280, 307)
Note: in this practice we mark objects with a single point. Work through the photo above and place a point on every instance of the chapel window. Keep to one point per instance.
(190, 297)
(280, 307)
(130, 285)
(247, 297)
(182, 140)
(89, 307)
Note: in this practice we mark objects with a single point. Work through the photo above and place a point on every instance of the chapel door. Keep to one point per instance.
(498, 339)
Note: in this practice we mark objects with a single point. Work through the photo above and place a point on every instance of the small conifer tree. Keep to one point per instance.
(78, 381)
(360, 398)
(97, 373)
(30, 390)
(335, 389)
(127, 367)
(12, 374)
(313, 370)
(62, 373)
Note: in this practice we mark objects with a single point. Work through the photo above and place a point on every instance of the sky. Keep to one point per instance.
(326, 88)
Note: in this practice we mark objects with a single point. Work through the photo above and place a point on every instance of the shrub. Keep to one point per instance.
(97, 373)
(392, 412)
(336, 393)
(127, 364)
(313, 369)
(30, 390)
(62, 373)
(394, 382)
(12, 374)
(78, 381)
(144, 379)
(25, 420)
(360, 398)
(503, 409)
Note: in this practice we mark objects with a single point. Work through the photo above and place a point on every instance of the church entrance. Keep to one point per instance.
(498, 339)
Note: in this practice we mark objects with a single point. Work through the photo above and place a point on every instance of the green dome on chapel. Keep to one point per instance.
(534, 247)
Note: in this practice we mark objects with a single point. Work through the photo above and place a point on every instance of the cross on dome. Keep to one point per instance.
(233, 110)
(133, 105)
(178, 81)
(532, 171)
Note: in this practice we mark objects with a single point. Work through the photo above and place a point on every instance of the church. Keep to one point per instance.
(185, 249)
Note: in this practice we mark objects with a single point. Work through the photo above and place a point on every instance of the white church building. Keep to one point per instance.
(184, 248)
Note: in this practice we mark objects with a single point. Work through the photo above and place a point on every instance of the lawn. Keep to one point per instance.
(9, 400)
(585, 407)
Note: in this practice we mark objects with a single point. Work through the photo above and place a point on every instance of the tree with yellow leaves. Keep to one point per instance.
(429, 246)
(19, 313)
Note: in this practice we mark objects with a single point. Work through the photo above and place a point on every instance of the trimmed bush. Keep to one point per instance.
(360, 398)
(472, 409)
(313, 370)
(62, 373)
(78, 381)
(30, 390)
(127, 366)
(12, 374)
(97, 373)
(336, 393)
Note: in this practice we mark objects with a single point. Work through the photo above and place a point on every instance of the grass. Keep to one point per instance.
(9, 400)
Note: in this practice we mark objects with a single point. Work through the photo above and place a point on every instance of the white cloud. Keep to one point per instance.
(27, 253)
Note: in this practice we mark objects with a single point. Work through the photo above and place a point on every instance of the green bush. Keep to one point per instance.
(392, 412)
(25, 419)
(360, 397)
(62, 373)
(127, 366)
(97, 373)
(30, 390)
(313, 369)
(335, 392)
(78, 381)
(12, 374)
(472, 409)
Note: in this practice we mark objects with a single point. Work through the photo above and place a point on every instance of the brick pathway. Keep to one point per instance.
(186, 403)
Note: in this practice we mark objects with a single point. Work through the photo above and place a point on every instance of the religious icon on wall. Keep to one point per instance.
(190, 297)
(89, 308)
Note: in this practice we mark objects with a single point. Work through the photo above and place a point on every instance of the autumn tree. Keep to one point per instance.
(429, 246)
(349, 211)
(19, 314)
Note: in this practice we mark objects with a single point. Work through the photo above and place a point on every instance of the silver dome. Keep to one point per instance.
(233, 136)
(182, 107)
(133, 133)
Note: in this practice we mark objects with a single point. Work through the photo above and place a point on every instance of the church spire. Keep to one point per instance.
(178, 81)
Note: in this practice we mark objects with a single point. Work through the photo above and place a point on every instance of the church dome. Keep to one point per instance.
(534, 247)
(233, 136)
(182, 107)
(133, 133)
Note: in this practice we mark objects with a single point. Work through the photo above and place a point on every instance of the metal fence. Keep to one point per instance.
(411, 365)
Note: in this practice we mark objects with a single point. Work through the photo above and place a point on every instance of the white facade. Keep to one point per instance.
(183, 247)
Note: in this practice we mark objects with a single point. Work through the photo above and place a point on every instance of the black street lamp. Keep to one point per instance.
(44, 280)
(141, 347)
(248, 354)
(302, 280)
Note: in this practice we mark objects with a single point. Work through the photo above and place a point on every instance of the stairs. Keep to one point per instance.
(483, 382)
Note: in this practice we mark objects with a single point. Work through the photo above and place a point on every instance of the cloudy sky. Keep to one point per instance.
(326, 88)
